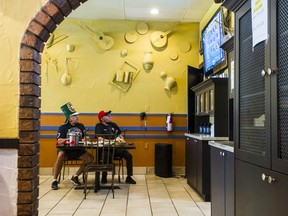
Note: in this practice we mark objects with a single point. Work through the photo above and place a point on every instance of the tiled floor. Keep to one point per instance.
(151, 196)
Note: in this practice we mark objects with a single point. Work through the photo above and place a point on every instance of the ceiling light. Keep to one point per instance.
(154, 11)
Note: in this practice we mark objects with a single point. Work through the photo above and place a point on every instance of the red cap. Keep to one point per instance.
(103, 113)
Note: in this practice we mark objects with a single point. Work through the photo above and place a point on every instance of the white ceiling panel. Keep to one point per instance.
(169, 10)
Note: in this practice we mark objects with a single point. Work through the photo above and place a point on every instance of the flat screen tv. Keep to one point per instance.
(212, 38)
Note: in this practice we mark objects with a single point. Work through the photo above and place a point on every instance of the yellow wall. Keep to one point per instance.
(14, 18)
(92, 68)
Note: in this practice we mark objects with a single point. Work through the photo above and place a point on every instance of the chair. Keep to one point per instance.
(120, 163)
(68, 163)
(104, 153)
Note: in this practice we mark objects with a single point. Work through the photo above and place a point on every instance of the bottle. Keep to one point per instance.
(204, 128)
(200, 128)
(209, 128)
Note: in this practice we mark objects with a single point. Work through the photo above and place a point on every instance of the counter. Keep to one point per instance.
(205, 136)
(224, 145)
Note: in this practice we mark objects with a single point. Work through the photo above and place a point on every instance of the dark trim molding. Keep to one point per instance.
(9, 143)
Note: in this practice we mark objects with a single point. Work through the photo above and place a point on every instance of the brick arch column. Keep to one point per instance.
(32, 44)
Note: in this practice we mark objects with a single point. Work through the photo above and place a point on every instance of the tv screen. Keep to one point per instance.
(212, 37)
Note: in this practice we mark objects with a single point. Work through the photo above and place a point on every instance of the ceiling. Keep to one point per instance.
(169, 10)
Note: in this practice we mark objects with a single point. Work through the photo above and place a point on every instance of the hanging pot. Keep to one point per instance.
(170, 83)
(148, 61)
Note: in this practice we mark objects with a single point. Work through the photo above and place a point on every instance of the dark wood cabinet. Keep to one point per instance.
(198, 166)
(256, 196)
(211, 102)
(222, 182)
(261, 100)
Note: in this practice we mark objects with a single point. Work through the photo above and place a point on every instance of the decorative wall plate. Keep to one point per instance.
(130, 37)
(142, 28)
(184, 46)
(173, 56)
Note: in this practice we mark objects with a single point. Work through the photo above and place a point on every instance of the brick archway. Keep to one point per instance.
(32, 44)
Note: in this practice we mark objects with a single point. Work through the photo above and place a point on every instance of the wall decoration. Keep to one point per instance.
(173, 56)
(159, 39)
(184, 46)
(163, 74)
(170, 83)
(130, 37)
(66, 77)
(52, 40)
(124, 76)
(70, 47)
(148, 61)
(124, 53)
(105, 42)
(142, 28)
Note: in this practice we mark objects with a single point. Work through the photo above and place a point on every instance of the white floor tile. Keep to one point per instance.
(151, 196)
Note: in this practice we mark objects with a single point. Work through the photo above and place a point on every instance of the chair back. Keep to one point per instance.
(105, 148)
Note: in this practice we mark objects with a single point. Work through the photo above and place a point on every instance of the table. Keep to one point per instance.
(81, 145)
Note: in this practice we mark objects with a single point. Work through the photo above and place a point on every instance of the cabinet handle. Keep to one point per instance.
(263, 73)
(271, 179)
(195, 141)
(223, 154)
(264, 177)
(269, 71)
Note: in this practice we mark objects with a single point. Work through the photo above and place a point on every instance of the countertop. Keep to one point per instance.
(205, 136)
(224, 145)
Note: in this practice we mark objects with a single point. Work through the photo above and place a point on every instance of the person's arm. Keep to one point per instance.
(61, 135)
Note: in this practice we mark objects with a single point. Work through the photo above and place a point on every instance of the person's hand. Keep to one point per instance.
(62, 141)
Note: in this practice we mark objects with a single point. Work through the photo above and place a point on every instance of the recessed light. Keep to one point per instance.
(154, 11)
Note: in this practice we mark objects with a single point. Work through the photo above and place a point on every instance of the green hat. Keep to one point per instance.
(68, 110)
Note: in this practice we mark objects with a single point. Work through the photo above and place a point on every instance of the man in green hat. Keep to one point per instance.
(71, 125)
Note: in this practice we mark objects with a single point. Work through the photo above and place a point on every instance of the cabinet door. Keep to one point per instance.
(257, 197)
(229, 184)
(279, 85)
(191, 162)
(217, 182)
(252, 137)
(204, 170)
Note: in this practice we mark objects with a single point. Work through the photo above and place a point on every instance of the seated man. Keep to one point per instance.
(106, 126)
(71, 124)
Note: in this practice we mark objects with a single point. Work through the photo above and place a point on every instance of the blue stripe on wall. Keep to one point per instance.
(134, 136)
(118, 114)
(129, 128)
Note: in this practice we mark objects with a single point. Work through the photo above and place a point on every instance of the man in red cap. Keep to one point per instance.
(106, 126)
